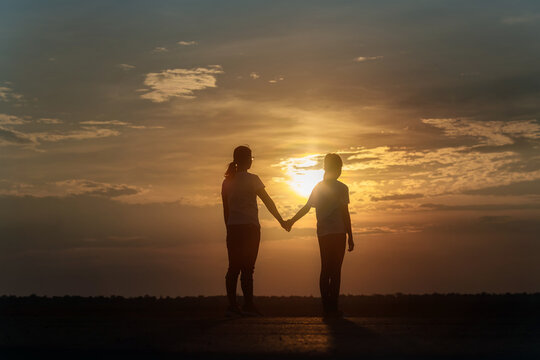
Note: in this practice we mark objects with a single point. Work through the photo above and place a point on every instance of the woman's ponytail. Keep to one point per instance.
(242, 157)
(231, 170)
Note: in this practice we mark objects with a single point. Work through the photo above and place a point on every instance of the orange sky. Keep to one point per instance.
(117, 122)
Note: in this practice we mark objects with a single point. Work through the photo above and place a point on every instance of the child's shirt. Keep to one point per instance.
(241, 193)
(328, 198)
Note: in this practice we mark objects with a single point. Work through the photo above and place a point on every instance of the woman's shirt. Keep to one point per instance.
(241, 194)
(328, 198)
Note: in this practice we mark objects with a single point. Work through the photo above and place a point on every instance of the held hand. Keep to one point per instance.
(285, 225)
(288, 225)
(351, 243)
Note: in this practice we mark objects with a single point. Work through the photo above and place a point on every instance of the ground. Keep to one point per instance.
(104, 333)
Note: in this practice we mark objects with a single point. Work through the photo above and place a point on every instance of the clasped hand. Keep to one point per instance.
(287, 224)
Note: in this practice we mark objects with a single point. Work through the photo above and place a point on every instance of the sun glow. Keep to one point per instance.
(304, 181)
(303, 173)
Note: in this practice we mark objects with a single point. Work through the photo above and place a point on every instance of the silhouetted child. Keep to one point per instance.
(330, 198)
(239, 194)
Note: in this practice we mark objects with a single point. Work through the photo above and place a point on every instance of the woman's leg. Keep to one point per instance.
(234, 252)
(250, 251)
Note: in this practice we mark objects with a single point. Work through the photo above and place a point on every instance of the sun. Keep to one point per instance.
(303, 173)
(303, 182)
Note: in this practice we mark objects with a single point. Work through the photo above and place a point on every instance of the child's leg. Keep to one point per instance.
(336, 254)
(324, 279)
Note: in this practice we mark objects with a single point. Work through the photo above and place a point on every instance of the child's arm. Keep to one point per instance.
(303, 211)
(270, 205)
(348, 227)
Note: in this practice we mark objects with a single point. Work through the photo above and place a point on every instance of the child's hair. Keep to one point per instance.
(241, 156)
(332, 166)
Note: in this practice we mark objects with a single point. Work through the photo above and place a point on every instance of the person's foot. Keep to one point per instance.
(233, 311)
(251, 310)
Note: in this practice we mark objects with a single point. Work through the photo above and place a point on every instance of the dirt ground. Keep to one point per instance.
(91, 335)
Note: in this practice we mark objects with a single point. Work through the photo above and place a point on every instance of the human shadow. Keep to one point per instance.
(348, 338)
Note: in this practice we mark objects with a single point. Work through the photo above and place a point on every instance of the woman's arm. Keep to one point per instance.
(348, 227)
(225, 208)
(270, 205)
(225, 204)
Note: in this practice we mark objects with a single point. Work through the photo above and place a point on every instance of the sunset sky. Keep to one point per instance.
(118, 119)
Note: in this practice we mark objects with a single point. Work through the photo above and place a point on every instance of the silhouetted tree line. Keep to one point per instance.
(400, 305)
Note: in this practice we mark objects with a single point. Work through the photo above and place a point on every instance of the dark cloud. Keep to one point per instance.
(15, 137)
(397, 197)
(504, 227)
(502, 98)
(88, 187)
(115, 191)
(481, 207)
(53, 223)
(519, 188)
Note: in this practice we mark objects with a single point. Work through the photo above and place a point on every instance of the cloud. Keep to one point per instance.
(279, 78)
(6, 119)
(513, 20)
(145, 127)
(481, 207)
(52, 121)
(7, 94)
(435, 171)
(516, 189)
(160, 49)
(89, 130)
(187, 43)
(85, 133)
(367, 58)
(379, 176)
(13, 137)
(254, 75)
(494, 133)
(118, 123)
(180, 82)
(126, 67)
(69, 187)
(373, 230)
(89, 187)
(396, 197)
(108, 122)
(9, 136)
(76, 219)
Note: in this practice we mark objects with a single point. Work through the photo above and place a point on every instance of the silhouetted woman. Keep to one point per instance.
(330, 198)
(239, 194)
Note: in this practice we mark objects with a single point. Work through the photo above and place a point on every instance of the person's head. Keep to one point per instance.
(241, 161)
(332, 166)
